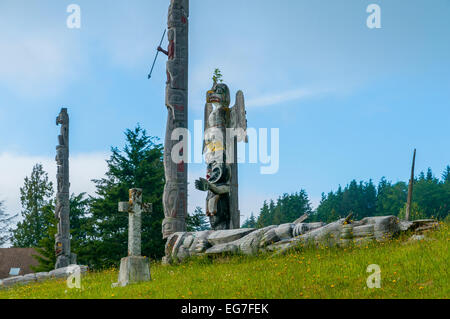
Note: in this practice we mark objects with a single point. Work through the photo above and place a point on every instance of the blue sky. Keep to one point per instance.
(350, 102)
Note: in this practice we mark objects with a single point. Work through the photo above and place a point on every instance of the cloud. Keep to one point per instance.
(34, 66)
(283, 97)
(40, 55)
(14, 168)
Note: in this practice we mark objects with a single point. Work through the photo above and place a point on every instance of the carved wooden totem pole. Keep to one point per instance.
(175, 190)
(224, 128)
(62, 210)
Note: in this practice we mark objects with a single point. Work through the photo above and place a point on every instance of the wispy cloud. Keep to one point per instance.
(283, 97)
(14, 168)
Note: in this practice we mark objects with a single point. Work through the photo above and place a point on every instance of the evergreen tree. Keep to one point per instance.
(35, 197)
(390, 198)
(446, 175)
(138, 165)
(197, 221)
(264, 216)
(79, 207)
(250, 222)
(287, 209)
(46, 247)
(5, 225)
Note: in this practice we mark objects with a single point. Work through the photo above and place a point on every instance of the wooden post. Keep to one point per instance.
(410, 188)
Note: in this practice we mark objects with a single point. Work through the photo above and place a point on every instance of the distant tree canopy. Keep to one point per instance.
(286, 209)
(250, 222)
(431, 199)
(197, 221)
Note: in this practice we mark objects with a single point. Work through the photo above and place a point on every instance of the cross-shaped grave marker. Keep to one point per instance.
(134, 268)
(134, 207)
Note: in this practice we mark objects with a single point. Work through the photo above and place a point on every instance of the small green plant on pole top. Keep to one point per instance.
(217, 76)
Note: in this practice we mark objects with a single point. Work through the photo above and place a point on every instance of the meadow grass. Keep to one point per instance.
(409, 269)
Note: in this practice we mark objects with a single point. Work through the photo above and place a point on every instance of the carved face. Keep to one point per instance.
(63, 117)
(217, 172)
(219, 94)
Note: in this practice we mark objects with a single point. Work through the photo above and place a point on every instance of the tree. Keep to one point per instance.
(138, 165)
(197, 221)
(5, 225)
(390, 198)
(79, 208)
(46, 247)
(287, 209)
(37, 209)
(264, 215)
(446, 175)
(250, 222)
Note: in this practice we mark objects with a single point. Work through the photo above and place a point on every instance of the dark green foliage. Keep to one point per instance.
(35, 197)
(286, 210)
(446, 175)
(359, 198)
(432, 195)
(79, 225)
(431, 199)
(46, 246)
(197, 221)
(79, 208)
(138, 165)
(250, 222)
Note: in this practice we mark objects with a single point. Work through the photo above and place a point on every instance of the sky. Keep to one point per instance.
(349, 102)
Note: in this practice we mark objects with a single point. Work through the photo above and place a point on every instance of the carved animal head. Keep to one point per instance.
(63, 117)
(217, 173)
(220, 93)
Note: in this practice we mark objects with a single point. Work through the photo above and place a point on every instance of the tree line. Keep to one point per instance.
(431, 199)
(99, 232)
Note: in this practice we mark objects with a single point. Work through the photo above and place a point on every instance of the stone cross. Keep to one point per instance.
(134, 207)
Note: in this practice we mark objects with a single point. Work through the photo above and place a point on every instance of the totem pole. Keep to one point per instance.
(224, 128)
(175, 190)
(62, 210)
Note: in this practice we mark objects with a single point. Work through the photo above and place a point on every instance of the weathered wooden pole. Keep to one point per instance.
(175, 190)
(410, 188)
(62, 210)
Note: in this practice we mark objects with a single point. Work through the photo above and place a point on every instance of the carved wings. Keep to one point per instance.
(208, 110)
(239, 117)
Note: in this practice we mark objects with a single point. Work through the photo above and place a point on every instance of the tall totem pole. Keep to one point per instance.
(62, 238)
(175, 190)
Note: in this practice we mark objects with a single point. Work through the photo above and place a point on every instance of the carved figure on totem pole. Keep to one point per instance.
(224, 127)
(62, 210)
(175, 190)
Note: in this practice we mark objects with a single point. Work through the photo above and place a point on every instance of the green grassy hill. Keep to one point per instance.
(409, 269)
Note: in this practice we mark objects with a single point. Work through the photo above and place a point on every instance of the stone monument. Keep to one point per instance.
(175, 190)
(134, 268)
(62, 210)
(224, 128)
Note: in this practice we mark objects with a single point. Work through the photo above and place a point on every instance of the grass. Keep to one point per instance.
(409, 269)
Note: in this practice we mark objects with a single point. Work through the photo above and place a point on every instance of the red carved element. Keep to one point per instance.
(180, 167)
(179, 107)
(171, 50)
